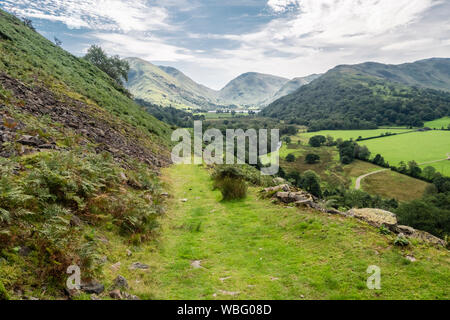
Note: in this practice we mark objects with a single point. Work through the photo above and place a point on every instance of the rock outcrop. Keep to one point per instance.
(375, 217)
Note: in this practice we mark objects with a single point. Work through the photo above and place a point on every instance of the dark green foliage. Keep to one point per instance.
(414, 170)
(41, 193)
(290, 158)
(431, 214)
(401, 241)
(230, 181)
(348, 199)
(312, 158)
(28, 23)
(310, 182)
(116, 68)
(317, 141)
(379, 160)
(170, 115)
(345, 98)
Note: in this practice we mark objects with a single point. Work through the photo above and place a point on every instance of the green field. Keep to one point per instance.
(351, 134)
(442, 167)
(439, 123)
(421, 147)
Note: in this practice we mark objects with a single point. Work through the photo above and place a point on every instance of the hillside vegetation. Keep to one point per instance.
(78, 159)
(348, 98)
(252, 249)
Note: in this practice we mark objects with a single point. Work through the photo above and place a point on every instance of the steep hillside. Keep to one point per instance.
(430, 73)
(167, 87)
(292, 86)
(78, 158)
(347, 98)
(251, 89)
(190, 84)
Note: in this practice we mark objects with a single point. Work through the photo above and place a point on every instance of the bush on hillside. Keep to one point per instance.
(231, 183)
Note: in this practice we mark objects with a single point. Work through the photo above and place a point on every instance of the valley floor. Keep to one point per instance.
(253, 249)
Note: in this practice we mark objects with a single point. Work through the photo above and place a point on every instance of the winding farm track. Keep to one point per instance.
(359, 179)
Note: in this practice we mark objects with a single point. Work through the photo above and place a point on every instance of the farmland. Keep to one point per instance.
(439, 123)
(352, 134)
(332, 172)
(422, 147)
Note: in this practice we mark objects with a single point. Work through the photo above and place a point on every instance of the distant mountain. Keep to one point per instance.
(292, 86)
(430, 73)
(166, 86)
(190, 84)
(251, 89)
(366, 96)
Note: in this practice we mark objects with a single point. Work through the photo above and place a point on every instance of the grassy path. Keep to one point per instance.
(252, 249)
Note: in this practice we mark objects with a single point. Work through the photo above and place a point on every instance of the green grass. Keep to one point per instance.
(267, 251)
(35, 60)
(390, 184)
(332, 172)
(351, 134)
(442, 167)
(419, 146)
(439, 123)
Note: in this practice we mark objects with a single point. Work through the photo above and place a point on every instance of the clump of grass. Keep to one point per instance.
(230, 181)
(401, 241)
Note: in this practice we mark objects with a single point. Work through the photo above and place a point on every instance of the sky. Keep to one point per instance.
(214, 41)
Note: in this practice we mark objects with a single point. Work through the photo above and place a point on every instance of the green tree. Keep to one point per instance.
(414, 169)
(311, 183)
(317, 141)
(312, 158)
(113, 66)
(290, 158)
(429, 173)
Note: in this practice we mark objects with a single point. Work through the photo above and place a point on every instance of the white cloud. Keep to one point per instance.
(135, 45)
(120, 15)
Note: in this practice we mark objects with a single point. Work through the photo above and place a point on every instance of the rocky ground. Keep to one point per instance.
(89, 122)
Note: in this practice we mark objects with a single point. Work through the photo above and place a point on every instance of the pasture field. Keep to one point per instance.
(351, 134)
(332, 172)
(439, 123)
(442, 167)
(418, 146)
(422, 147)
(390, 184)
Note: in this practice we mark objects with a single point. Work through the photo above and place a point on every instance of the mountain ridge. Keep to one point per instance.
(339, 99)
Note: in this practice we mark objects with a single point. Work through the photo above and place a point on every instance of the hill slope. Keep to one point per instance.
(430, 73)
(348, 98)
(251, 89)
(78, 158)
(167, 86)
(292, 86)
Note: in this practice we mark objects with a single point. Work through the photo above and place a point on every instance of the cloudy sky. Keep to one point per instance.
(213, 41)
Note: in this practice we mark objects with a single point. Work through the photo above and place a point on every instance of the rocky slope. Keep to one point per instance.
(78, 159)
